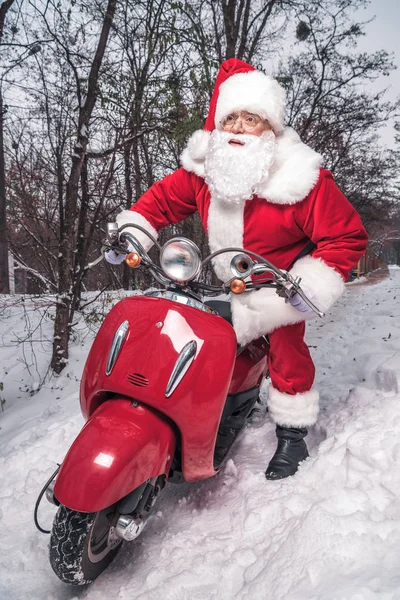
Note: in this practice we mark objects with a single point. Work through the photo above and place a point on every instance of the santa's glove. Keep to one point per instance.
(113, 257)
(299, 304)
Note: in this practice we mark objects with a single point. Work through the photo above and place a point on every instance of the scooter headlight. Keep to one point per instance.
(180, 259)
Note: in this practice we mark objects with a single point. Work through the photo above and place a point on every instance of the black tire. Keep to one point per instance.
(82, 545)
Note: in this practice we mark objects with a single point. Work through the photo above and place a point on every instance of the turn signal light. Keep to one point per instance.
(237, 286)
(133, 260)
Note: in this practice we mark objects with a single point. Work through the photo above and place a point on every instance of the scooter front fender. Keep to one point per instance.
(119, 448)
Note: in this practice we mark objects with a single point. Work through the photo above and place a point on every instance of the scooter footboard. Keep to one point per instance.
(119, 448)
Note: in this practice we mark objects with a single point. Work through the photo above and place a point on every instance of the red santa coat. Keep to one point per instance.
(297, 203)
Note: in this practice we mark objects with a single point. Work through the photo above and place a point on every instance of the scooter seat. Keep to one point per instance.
(222, 307)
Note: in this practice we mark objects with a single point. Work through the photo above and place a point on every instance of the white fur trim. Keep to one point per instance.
(198, 144)
(298, 410)
(294, 170)
(259, 312)
(321, 282)
(292, 175)
(255, 92)
(130, 216)
(193, 156)
(225, 229)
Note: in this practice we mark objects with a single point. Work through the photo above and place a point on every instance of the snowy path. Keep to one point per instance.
(332, 532)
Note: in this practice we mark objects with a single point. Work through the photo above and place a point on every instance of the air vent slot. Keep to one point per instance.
(138, 379)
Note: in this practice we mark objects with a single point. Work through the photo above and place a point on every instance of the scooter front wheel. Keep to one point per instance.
(82, 545)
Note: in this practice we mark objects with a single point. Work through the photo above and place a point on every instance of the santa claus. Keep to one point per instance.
(257, 186)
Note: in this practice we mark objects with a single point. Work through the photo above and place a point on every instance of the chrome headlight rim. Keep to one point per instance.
(195, 253)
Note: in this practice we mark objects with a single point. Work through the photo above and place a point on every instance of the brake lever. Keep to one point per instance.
(94, 262)
(319, 312)
(104, 248)
(287, 285)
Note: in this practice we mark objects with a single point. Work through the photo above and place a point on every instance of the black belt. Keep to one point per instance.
(308, 248)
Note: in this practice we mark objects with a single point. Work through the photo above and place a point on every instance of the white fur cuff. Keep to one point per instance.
(321, 282)
(298, 410)
(259, 312)
(130, 216)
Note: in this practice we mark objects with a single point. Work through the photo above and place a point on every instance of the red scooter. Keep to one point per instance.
(165, 392)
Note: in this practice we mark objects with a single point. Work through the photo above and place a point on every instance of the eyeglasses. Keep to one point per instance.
(248, 120)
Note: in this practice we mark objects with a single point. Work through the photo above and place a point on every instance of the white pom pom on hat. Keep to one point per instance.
(198, 144)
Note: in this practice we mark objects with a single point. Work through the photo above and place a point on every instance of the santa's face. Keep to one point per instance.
(244, 122)
(238, 160)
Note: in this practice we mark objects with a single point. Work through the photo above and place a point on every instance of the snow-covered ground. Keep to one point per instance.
(331, 532)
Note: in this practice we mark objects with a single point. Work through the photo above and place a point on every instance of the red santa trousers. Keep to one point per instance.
(292, 401)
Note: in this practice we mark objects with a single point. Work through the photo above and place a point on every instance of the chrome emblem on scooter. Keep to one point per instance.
(116, 345)
(183, 362)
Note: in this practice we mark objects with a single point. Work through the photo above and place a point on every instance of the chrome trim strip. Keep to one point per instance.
(181, 299)
(116, 345)
(183, 362)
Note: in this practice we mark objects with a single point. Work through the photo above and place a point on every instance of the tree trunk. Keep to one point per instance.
(79, 255)
(4, 273)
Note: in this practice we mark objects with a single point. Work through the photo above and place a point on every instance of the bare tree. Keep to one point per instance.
(87, 91)
(4, 275)
(331, 109)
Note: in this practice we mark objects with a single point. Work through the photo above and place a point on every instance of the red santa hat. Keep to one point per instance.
(239, 86)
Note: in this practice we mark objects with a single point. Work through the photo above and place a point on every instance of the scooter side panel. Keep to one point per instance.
(158, 331)
(119, 448)
(251, 367)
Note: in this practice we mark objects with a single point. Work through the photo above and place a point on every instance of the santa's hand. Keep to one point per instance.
(299, 304)
(113, 257)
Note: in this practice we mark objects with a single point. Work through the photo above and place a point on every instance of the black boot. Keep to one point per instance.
(290, 452)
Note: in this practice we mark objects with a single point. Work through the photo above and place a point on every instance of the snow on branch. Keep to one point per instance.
(35, 273)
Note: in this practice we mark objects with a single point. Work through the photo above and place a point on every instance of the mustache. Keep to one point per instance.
(243, 138)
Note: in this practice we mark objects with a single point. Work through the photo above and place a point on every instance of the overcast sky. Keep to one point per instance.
(384, 33)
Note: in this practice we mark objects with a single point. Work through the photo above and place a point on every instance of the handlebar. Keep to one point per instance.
(286, 285)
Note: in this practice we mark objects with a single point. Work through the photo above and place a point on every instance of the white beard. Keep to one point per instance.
(233, 172)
